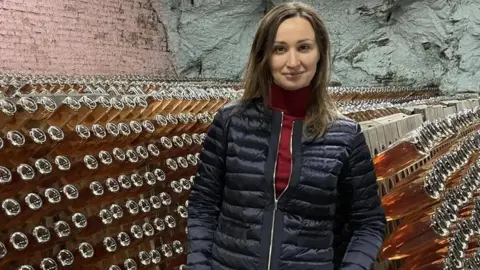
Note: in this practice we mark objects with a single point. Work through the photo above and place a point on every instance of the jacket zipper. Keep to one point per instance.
(272, 231)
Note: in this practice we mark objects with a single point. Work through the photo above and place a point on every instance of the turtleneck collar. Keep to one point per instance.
(291, 102)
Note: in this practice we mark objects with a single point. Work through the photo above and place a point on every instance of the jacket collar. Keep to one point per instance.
(268, 114)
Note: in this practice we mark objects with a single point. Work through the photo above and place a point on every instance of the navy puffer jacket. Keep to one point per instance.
(235, 222)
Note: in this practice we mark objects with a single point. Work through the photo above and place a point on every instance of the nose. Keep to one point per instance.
(293, 60)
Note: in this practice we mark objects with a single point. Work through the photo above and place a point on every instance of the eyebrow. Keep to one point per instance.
(300, 41)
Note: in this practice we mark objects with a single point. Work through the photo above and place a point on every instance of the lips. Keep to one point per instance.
(293, 74)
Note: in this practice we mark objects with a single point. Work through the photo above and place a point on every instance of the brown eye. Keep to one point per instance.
(304, 48)
(279, 49)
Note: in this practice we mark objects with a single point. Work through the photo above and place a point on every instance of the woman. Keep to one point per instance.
(282, 173)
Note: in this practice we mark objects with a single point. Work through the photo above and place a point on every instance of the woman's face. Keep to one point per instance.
(295, 54)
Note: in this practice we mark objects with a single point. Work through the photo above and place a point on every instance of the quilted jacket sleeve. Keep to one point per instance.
(205, 197)
(365, 215)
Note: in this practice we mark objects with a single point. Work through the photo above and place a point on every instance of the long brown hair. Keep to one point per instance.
(258, 78)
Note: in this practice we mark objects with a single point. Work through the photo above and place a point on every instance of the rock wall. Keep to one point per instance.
(212, 37)
(375, 42)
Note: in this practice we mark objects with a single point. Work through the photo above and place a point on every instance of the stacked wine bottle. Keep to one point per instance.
(95, 173)
(436, 206)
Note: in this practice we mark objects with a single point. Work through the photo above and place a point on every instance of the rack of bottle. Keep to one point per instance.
(95, 172)
(426, 160)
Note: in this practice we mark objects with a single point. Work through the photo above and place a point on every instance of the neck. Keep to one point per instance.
(291, 102)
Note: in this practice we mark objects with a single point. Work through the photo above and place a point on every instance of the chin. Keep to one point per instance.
(292, 86)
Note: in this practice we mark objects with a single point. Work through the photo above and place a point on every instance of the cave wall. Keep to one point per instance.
(374, 42)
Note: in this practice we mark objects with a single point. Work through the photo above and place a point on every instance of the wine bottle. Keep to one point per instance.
(447, 172)
(425, 233)
(417, 144)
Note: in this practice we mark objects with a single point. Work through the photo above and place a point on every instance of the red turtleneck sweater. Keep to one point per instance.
(293, 104)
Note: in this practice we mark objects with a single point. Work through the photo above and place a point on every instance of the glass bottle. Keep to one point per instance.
(103, 250)
(203, 122)
(70, 110)
(423, 171)
(435, 258)
(473, 262)
(96, 223)
(15, 140)
(24, 176)
(146, 134)
(154, 101)
(41, 239)
(407, 244)
(202, 106)
(129, 107)
(144, 258)
(458, 197)
(7, 114)
(165, 146)
(215, 101)
(26, 108)
(35, 138)
(51, 203)
(172, 123)
(159, 100)
(80, 135)
(136, 131)
(45, 110)
(195, 100)
(414, 146)
(178, 98)
(183, 124)
(113, 113)
(3, 250)
(113, 133)
(130, 264)
(89, 103)
(53, 136)
(48, 264)
(124, 134)
(88, 195)
(99, 137)
(407, 199)
(141, 109)
(160, 125)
